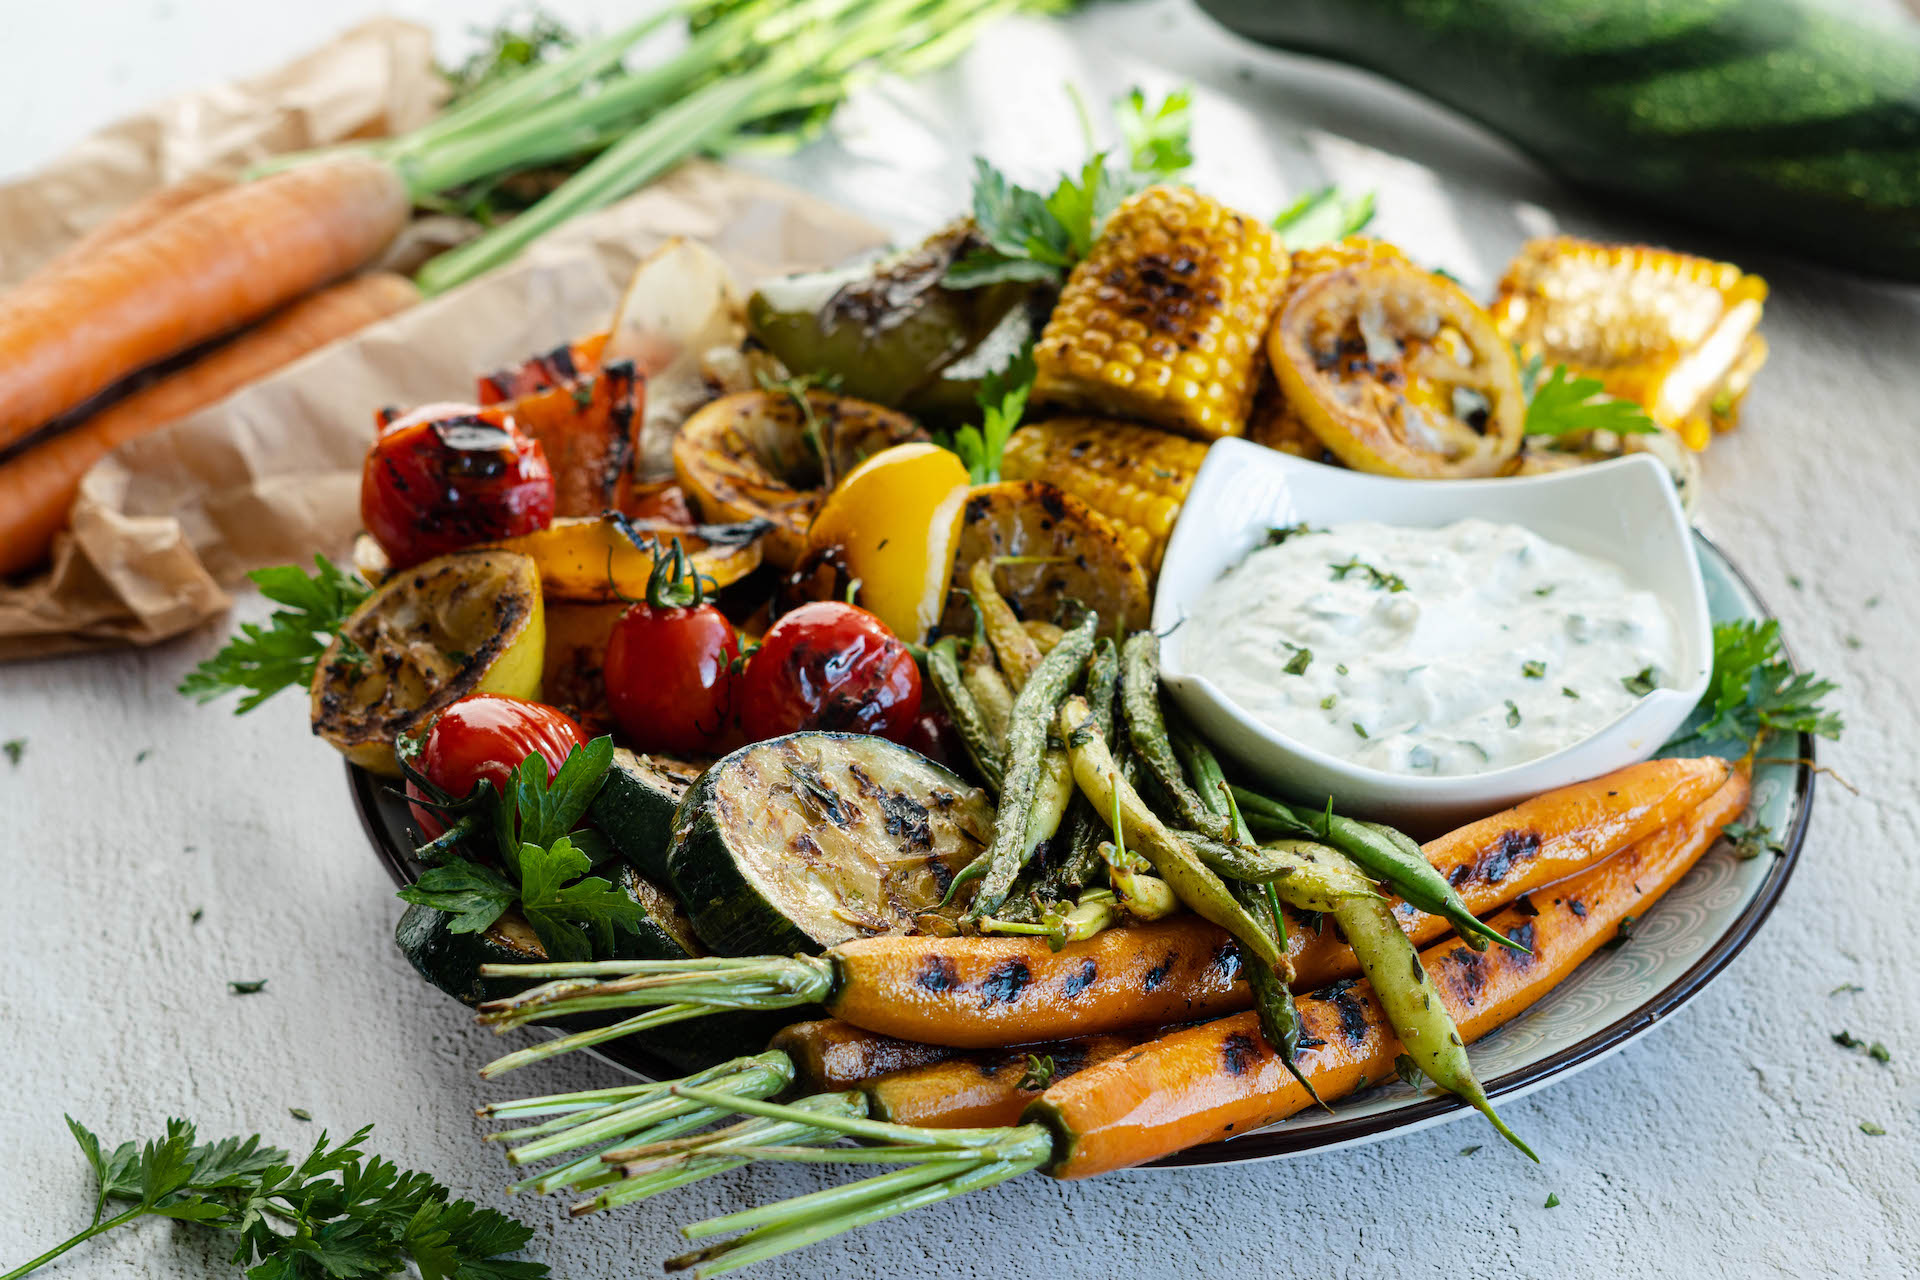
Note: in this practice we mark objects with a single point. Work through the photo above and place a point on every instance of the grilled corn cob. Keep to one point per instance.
(1673, 332)
(1135, 476)
(1163, 320)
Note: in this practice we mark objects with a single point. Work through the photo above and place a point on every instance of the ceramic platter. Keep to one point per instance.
(1676, 950)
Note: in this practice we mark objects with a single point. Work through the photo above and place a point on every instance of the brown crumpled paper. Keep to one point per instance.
(272, 474)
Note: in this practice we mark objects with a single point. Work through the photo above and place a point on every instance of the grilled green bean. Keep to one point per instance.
(1032, 722)
(1421, 1021)
(943, 671)
(1019, 655)
(1147, 731)
(1387, 855)
(1304, 880)
(1203, 891)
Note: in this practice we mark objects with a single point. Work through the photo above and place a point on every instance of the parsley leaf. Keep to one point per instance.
(575, 921)
(1003, 401)
(1751, 839)
(1158, 140)
(1323, 216)
(475, 896)
(1560, 402)
(1031, 237)
(336, 1213)
(546, 863)
(265, 660)
(1755, 691)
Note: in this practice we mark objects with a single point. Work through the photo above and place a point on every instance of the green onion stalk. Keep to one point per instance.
(781, 60)
(762, 73)
(648, 1156)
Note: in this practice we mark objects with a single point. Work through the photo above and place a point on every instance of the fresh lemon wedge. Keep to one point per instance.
(894, 521)
(470, 622)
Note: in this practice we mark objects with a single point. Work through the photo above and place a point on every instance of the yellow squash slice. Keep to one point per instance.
(1051, 548)
(470, 622)
(762, 455)
(892, 523)
(593, 560)
(1398, 372)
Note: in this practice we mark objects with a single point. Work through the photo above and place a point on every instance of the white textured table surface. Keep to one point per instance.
(1725, 1143)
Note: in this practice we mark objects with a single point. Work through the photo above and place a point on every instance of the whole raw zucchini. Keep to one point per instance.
(1772, 120)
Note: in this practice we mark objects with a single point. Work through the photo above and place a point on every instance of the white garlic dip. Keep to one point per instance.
(1435, 652)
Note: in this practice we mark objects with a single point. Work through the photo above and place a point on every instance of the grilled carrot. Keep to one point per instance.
(147, 211)
(37, 487)
(986, 992)
(1210, 1082)
(1189, 1087)
(209, 268)
(984, 1088)
(829, 1054)
(982, 992)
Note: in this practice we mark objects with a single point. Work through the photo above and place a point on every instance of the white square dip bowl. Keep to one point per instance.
(1624, 510)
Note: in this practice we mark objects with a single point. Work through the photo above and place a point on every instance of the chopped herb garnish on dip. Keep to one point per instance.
(1533, 670)
(1513, 715)
(1302, 659)
(1640, 683)
(1380, 579)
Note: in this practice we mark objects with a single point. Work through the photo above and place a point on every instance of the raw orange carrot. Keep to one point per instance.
(980, 1089)
(209, 268)
(1211, 1082)
(147, 211)
(829, 1054)
(37, 487)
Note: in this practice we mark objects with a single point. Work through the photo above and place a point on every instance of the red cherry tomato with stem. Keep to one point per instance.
(828, 665)
(672, 664)
(449, 476)
(485, 737)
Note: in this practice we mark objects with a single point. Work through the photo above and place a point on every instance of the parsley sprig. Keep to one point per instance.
(1003, 401)
(1560, 403)
(1755, 692)
(265, 660)
(336, 1214)
(545, 863)
(1322, 217)
(1035, 238)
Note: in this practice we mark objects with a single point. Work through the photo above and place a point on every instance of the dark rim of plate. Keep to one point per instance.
(1263, 1144)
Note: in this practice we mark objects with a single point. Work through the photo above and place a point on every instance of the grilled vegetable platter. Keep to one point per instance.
(760, 692)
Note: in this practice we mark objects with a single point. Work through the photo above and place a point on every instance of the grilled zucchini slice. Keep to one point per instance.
(805, 841)
(635, 807)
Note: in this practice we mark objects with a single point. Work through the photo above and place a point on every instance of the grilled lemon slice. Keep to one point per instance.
(766, 455)
(470, 622)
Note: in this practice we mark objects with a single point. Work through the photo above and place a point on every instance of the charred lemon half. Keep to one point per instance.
(470, 622)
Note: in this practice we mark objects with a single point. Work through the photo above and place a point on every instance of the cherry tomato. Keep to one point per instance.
(484, 737)
(828, 665)
(670, 677)
(934, 737)
(448, 476)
